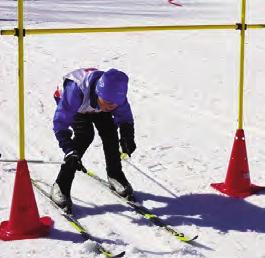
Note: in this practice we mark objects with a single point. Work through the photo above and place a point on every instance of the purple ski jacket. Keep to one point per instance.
(79, 97)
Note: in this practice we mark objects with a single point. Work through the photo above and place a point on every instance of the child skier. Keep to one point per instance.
(93, 98)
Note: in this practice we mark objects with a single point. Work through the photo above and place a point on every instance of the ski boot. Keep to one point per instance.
(63, 201)
(121, 186)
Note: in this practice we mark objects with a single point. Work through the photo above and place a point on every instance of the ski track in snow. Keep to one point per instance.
(183, 92)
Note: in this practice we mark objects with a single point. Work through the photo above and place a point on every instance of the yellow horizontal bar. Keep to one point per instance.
(8, 32)
(132, 29)
(120, 29)
(256, 26)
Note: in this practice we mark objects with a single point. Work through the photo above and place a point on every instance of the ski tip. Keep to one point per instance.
(186, 239)
(193, 239)
(120, 254)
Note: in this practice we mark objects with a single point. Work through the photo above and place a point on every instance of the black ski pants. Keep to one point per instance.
(83, 127)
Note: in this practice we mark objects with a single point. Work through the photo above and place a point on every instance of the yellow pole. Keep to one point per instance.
(20, 31)
(242, 57)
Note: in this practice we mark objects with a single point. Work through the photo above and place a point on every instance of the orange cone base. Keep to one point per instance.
(252, 189)
(43, 229)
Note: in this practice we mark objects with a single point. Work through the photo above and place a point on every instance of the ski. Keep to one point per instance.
(147, 214)
(75, 223)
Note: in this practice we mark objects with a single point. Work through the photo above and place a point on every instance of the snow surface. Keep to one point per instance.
(183, 92)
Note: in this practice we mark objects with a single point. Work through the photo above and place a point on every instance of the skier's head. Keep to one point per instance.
(112, 87)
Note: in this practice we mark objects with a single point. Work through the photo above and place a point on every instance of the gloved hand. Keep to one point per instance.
(127, 146)
(127, 138)
(73, 159)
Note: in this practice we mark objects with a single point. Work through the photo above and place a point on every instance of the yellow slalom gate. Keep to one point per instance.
(21, 32)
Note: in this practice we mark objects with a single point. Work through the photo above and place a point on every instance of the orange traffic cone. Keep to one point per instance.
(237, 182)
(24, 222)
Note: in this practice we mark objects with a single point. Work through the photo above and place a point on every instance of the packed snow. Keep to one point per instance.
(183, 91)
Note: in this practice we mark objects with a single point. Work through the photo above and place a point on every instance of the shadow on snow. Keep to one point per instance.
(209, 210)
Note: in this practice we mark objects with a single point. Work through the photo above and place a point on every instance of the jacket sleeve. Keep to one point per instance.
(64, 115)
(123, 114)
